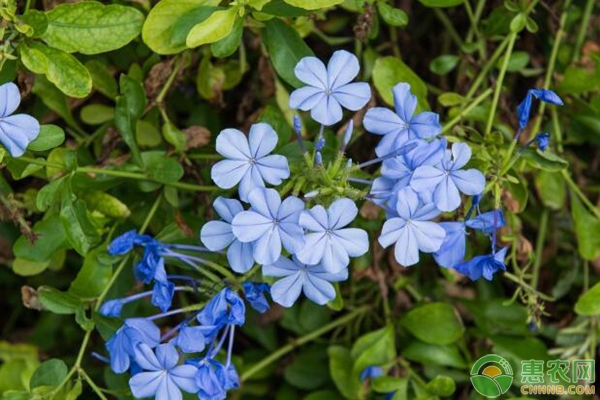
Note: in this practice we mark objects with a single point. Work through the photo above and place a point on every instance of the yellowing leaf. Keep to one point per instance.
(216, 27)
(313, 4)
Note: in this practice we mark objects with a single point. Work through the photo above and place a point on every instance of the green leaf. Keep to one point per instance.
(280, 8)
(24, 267)
(161, 168)
(313, 4)
(443, 64)
(80, 231)
(441, 386)
(340, 368)
(105, 204)
(518, 23)
(230, 43)
(587, 229)
(374, 348)
(50, 136)
(130, 107)
(184, 24)
(552, 189)
(91, 27)
(309, 369)
(102, 79)
(441, 3)
(589, 302)
(435, 323)
(392, 16)
(50, 237)
(174, 136)
(96, 114)
(387, 384)
(544, 160)
(388, 71)
(450, 99)
(286, 48)
(54, 99)
(216, 27)
(38, 20)
(58, 302)
(49, 373)
(158, 28)
(432, 354)
(61, 68)
(94, 275)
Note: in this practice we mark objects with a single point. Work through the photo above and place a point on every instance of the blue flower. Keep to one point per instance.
(191, 339)
(402, 126)
(447, 178)
(270, 224)
(412, 229)
(524, 109)
(453, 249)
(213, 380)
(370, 373)
(255, 295)
(121, 346)
(248, 161)
(162, 294)
(162, 378)
(327, 242)
(485, 266)
(329, 88)
(313, 280)
(488, 222)
(543, 140)
(217, 235)
(16, 131)
(225, 308)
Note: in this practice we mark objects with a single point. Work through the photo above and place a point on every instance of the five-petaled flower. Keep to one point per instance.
(447, 178)
(328, 243)
(16, 131)
(486, 265)
(402, 126)
(412, 229)
(248, 161)
(329, 88)
(162, 377)
(270, 224)
(297, 277)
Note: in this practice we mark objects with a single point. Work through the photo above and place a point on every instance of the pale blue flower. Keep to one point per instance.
(327, 242)
(162, 378)
(412, 231)
(217, 235)
(487, 222)
(524, 109)
(400, 127)
(297, 277)
(447, 179)
(453, 249)
(121, 346)
(191, 339)
(16, 131)
(248, 161)
(485, 266)
(270, 224)
(329, 89)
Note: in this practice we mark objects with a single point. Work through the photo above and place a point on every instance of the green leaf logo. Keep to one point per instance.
(491, 375)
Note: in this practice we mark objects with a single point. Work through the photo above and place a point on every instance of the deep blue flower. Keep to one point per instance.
(402, 126)
(370, 373)
(543, 140)
(16, 131)
(270, 224)
(162, 294)
(123, 244)
(411, 230)
(225, 308)
(255, 295)
(217, 235)
(328, 242)
(247, 160)
(213, 380)
(453, 249)
(313, 280)
(162, 378)
(485, 266)
(524, 109)
(447, 179)
(121, 346)
(487, 222)
(329, 89)
(191, 339)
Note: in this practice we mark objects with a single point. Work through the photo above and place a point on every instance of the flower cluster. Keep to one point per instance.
(187, 357)
(18, 130)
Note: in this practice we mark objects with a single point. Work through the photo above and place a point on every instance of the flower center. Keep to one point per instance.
(252, 161)
(328, 232)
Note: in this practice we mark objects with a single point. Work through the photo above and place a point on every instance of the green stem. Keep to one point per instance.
(539, 248)
(92, 384)
(519, 281)
(450, 124)
(487, 67)
(163, 92)
(585, 21)
(253, 370)
(498, 90)
(580, 194)
(449, 27)
(474, 22)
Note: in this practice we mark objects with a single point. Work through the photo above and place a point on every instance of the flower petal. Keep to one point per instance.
(306, 98)
(318, 290)
(392, 142)
(342, 68)
(322, 273)
(228, 173)
(446, 195)
(145, 384)
(266, 202)
(355, 241)
(341, 212)
(312, 71)
(17, 131)
(335, 258)
(426, 125)
(251, 181)
(273, 169)
(282, 267)
(426, 178)
(327, 112)
(168, 390)
(461, 154)
(240, 256)
(290, 210)
(381, 121)
(262, 139)
(233, 144)
(216, 235)
(408, 203)
(227, 208)
(391, 231)
(267, 248)
(452, 252)
(315, 219)
(184, 377)
(429, 235)
(287, 290)
(167, 355)
(146, 358)
(470, 181)
(249, 226)
(353, 96)
(10, 98)
(406, 250)
(314, 248)
(404, 102)
(292, 236)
